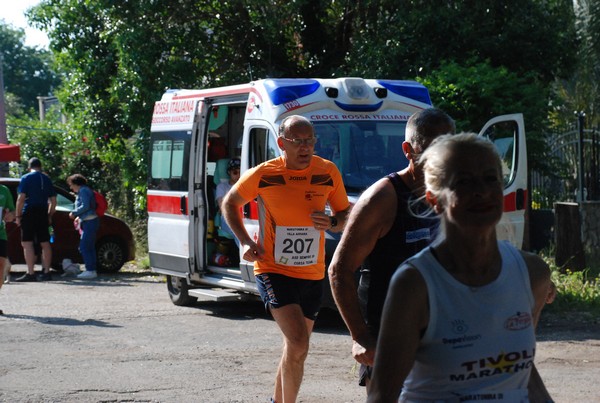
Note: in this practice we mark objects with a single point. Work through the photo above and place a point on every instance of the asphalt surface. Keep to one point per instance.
(118, 338)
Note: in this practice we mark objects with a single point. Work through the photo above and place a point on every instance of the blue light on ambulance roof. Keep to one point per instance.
(285, 90)
(359, 107)
(408, 89)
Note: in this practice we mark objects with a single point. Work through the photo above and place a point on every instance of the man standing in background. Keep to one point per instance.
(36, 203)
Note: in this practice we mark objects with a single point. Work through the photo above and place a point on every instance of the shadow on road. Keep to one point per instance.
(328, 322)
(118, 279)
(61, 321)
(568, 326)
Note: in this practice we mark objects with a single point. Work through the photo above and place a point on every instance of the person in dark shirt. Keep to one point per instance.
(382, 231)
(36, 203)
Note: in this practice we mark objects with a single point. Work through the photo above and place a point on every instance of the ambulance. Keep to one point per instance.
(359, 124)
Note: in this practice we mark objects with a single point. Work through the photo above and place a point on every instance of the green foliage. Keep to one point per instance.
(27, 71)
(421, 35)
(114, 76)
(117, 58)
(43, 140)
(475, 91)
(580, 92)
(577, 291)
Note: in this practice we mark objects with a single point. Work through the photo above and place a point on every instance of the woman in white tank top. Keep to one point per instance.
(459, 319)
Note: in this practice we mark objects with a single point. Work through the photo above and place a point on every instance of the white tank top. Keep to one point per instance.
(480, 343)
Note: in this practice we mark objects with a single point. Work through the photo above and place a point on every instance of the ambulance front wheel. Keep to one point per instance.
(178, 291)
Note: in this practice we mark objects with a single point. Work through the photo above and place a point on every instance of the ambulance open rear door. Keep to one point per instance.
(508, 134)
(176, 197)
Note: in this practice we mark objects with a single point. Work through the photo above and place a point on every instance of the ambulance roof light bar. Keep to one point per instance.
(380, 92)
(285, 90)
(408, 89)
(331, 92)
(356, 88)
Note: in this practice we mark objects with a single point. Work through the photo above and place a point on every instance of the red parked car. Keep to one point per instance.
(114, 241)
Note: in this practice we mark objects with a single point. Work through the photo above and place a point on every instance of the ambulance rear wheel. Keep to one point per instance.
(178, 291)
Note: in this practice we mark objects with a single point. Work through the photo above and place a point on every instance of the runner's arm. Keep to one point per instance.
(231, 209)
(543, 290)
(368, 221)
(405, 317)
(324, 222)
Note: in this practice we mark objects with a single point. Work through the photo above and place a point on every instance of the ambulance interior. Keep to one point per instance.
(225, 130)
(363, 151)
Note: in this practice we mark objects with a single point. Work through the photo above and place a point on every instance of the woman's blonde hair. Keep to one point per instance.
(435, 158)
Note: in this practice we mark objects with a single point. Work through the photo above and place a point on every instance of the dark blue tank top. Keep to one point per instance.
(413, 229)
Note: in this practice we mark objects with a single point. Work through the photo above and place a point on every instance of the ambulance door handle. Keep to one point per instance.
(183, 205)
(520, 199)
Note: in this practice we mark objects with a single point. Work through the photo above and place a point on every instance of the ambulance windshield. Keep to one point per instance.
(364, 151)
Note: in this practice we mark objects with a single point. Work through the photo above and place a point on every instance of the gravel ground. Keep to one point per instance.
(119, 339)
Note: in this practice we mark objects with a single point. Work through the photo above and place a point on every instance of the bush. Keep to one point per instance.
(577, 291)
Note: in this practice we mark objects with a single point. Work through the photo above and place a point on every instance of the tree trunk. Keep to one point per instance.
(569, 247)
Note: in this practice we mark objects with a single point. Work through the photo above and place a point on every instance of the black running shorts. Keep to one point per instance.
(277, 290)
(34, 225)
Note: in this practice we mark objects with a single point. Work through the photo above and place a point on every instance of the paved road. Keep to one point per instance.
(119, 339)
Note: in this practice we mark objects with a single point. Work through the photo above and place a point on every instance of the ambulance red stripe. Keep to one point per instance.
(166, 204)
(510, 201)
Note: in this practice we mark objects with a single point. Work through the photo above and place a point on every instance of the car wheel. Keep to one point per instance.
(110, 255)
(178, 291)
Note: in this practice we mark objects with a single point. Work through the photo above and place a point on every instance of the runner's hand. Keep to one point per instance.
(321, 221)
(364, 354)
(253, 252)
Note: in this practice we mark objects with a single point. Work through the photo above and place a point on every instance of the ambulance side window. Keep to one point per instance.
(504, 135)
(169, 158)
(263, 147)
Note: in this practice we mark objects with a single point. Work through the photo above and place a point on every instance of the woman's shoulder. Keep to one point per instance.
(539, 270)
(409, 277)
(534, 262)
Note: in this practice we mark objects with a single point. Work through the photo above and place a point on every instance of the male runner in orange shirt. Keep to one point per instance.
(289, 254)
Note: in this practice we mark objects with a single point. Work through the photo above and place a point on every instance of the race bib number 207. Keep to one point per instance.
(297, 246)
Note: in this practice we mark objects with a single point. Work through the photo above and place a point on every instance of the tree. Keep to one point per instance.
(44, 140)
(27, 71)
(139, 49)
(114, 75)
(119, 57)
(581, 91)
(525, 36)
(476, 91)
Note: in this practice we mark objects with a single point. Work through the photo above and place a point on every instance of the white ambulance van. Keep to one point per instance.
(360, 126)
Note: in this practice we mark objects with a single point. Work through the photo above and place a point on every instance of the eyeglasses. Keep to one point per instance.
(311, 141)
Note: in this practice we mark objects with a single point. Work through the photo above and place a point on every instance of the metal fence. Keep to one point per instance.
(574, 155)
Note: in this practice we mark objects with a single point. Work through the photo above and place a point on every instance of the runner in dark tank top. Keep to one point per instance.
(384, 228)
(410, 233)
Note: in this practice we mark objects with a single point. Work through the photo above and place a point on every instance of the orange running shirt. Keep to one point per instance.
(286, 198)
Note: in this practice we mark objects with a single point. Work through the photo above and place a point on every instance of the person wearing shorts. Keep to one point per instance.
(288, 250)
(387, 225)
(277, 290)
(36, 203)
(7, 214)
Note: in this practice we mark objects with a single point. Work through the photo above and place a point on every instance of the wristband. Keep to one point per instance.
(333, 221)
